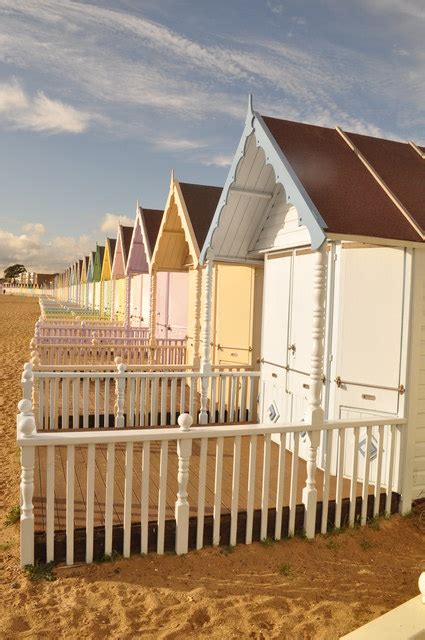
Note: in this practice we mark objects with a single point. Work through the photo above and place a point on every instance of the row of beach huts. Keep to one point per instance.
(247, 363)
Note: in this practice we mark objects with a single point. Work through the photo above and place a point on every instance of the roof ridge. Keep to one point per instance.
(417, 149)
(381, 183)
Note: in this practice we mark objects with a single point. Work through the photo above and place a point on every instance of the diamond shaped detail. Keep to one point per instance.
(373, 448)
(274, 414)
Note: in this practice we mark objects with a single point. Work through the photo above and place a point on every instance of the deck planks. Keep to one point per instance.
(118, 510)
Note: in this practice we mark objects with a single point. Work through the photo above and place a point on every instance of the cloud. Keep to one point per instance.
(46, 254)
(38, 253)
(217, 160)
(110, 222)
(18, 110)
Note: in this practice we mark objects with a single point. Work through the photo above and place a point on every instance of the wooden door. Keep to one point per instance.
(233, 310)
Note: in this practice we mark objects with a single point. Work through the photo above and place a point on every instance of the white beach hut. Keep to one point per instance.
(338, 217)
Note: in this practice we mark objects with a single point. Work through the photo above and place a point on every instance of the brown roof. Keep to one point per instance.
(152, 219)
(201, 202)
(112, 244)
(127, 232)
(347, 196)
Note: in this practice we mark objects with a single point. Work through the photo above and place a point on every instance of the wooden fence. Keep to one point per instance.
(184, 438)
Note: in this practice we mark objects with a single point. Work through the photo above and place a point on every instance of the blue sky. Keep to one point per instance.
(100, 100)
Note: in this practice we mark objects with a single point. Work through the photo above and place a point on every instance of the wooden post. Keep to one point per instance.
(152, 314)
(315, 415)
(25, 424)
(112, 313)
(184, 450)
(27, 381)
(197, 320)
(120, 396)
(127, 301)
(206, 339)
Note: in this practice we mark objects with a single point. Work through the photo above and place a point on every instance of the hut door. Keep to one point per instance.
(234, 314)
(370, 347)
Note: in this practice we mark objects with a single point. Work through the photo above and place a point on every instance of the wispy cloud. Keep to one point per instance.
(19, 110)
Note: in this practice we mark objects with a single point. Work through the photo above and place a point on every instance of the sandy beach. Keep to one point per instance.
(291, 589)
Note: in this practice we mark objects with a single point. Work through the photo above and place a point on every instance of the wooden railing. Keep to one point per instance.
(86, 331)
(166, 352)
(99, 399)
(375, 497)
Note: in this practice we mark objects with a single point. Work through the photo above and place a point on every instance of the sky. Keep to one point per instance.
(99, 101)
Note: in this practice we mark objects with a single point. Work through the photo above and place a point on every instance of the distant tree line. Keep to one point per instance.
(12, 272)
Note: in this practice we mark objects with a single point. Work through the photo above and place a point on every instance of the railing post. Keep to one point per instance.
(27, 381)
(197, 319)
(25, 424)
(127, 301)
(315, 414)
(206, 338)
(119, 396)
(184, 450)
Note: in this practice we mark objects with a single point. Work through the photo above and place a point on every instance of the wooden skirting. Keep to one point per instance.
(170, 528)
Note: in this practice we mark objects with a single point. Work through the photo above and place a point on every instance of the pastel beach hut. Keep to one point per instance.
(90, 283)
(175, 272)
(144, 236)
(106, 278)
(338, 220)
(97, 272)
(120, 285)
(83, 278)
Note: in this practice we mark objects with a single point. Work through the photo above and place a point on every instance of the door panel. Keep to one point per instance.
(234, 297)
(370, 329)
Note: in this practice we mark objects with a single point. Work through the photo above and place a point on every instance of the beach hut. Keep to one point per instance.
(236, 287)
(145, 233)
(83, 282)
(105, 277)
(120, 288)
(97, 271)
(90, 283)
(338, 220)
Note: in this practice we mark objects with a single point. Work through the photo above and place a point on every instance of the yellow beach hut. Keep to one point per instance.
(105, 277)
(120, 282)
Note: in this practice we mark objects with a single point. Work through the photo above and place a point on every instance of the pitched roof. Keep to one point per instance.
(126, 232)
(348, 197)
(152, 219)
(112, 244)
(201, 202)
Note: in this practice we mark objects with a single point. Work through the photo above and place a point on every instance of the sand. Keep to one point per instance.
(291, 589)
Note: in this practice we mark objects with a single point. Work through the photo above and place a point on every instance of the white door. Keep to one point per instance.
(370, 347)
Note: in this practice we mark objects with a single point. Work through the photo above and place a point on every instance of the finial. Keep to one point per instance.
(185, 421)
(173, 177)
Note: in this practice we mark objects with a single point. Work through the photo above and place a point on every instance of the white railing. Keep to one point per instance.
(85, 399)
(86, 331)
(137, 453)
(165, 352)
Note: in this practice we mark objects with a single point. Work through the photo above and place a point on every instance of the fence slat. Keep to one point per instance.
(217, 490)
(235, 490)
(354, 476)
(280, 486)
(365, 486)
(144, 498)
(90, 502)
(390, 474)
(50, 504)
(109, 496)
(70, 463)
(162, 495)
(173, 397)
(340, 477)
(251, 488)
(201, 493)
(378, 477)
(265, 486)
(293, 487)
(128, 490)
